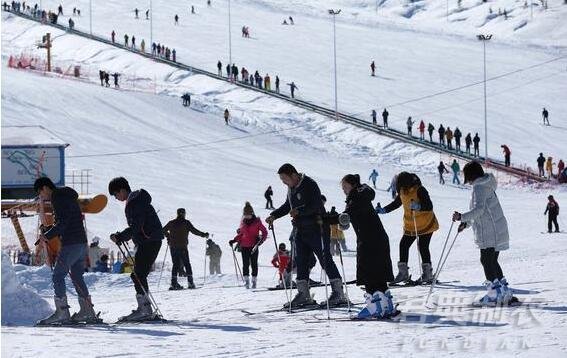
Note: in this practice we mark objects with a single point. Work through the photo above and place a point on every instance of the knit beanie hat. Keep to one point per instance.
(247, 209)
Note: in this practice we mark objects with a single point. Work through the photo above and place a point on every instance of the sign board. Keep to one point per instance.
(21, 166)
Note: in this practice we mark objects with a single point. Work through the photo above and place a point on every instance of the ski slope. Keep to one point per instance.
(414, 63)
(212, 171)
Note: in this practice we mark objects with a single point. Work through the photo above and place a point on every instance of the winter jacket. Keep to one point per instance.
(486, 216)
(549, 165)
(177, 233)
(68, 218)
(143, 223)
(268, 193)
(306, 199)
(281, 259)
(101, 267)
(213, 250)
(421, 127)
(455, 167)
(449, 134)
(430, 128)
(336, 233)
(552, 208)
(560, 166)
(249, 233)
(373, 262)
(540, 161)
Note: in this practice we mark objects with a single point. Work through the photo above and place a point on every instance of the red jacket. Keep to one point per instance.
(560, 166)
(284, 258)
(506, 150)
(421, 126)
(249, 231)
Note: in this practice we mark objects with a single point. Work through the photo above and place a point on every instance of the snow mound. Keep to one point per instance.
(20, 305)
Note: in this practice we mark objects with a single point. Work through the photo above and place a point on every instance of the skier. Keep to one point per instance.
(422, 130)
(186, 99)
(490, 230)
(60, 10)
(540, 164)
(268, 195)
(267, 83)
(177, 233)
(545, 116)
(457, 134)
(101, 76)
(281, 261)
(145, 230)
(292, 88)
(277, 84)
(219, 68)
(385, 115)
(409, 123)
(449, 135)
(373, 116)
(126, 40)
(392, 186)
(143, 45)
(250, 235)
(176, 18)
(102, 264)
(430, 129)
(338, 241)
(456, 170)
(107, 79)
(192, 9)
(306, 208)
(226, 116)
(374, 265)
(553, 209)
(173, 55)
(136, 13)
(134, 42)
(507, 154)
(373, 176)
(71, 24)
(115, 75)
(291, 21)
(476, 140)
(113, 36)
(441, 132)
(419, 222)
(373, 68)
(71, 258)
(549, 167)
(214, 252)
(148, 14)
(560, 167)
(442, 170)
(468, 141)
(154, 49)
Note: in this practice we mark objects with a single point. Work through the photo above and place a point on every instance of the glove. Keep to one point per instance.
(270, 220)
(462, 226)
(115, 237)
(415, 206)
(294, 213)
(379, 209)
(456, 216)
(207, 235)
(344, 221)
(231, 242)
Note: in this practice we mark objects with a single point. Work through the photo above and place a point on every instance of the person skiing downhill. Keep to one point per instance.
(490, 230)
(373, 176)
(250, 235)
(226, 116)
(552, 209)
(419, 222)
(545, 116)
(305, 206)
(373, 68)
(72, 255)
(145, 230)
(373, 262)
(177, 233)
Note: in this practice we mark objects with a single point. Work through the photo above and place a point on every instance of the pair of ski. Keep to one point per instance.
(99, 322)
(299, 309)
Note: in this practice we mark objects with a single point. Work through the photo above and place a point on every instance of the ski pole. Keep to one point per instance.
(234, 261)
(444, 247)
(440, 268)
(323, 256)
(417, 242)
(279, 263)
(238, 267)
(292, 244)
(205, 266)
(162, 266)
(344, 276)
(135, 275)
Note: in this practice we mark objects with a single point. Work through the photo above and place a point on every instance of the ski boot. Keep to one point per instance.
(337, 297)
(403, 273)
(303, 296)
(493, 291)
(175, 285)
(61, 314)
(144, 311)
(247, 282)
(507, 295)
(254, 281)
(86, 312)
(190, 283)
(427, 274)
(378, 305)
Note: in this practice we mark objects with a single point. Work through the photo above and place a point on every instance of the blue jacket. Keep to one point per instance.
(68, 217)
(143, 223)
(101, 267)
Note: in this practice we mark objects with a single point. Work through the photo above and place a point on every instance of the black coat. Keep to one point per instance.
(373, 262)
(68, 217)
(143, 223)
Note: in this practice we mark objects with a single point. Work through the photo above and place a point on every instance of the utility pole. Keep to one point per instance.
(229, 74)
(46, 44)
(485, 39)
(334, 13)
(91, 17)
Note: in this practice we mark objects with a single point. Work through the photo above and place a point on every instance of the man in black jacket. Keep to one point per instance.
(268, 195)
(145, 230)
(305, 206)
(72, 257)
(177, 233)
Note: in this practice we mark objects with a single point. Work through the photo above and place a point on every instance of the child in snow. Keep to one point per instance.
(490, 230)
(214, 252)
(251, 234)
(281, 261)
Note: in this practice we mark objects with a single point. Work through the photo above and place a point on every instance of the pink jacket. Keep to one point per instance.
(247, 233)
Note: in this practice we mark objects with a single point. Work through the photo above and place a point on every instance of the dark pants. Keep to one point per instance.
(269, 203)
(507, 160)
(70, 261)
(476, 152)
(370, 289)
(144, 259)
(180, 258)
(423, 243)
(249, 259)
(458, 145)
(552, 219)
(307, 243)
(541, 171)
(489, 261)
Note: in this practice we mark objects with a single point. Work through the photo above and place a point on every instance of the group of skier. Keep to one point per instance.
(545, 167)
(105, 78)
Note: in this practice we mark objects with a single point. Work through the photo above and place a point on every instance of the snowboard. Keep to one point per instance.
(93, 205)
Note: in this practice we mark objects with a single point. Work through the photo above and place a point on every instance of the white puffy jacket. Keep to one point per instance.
(486, 215)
